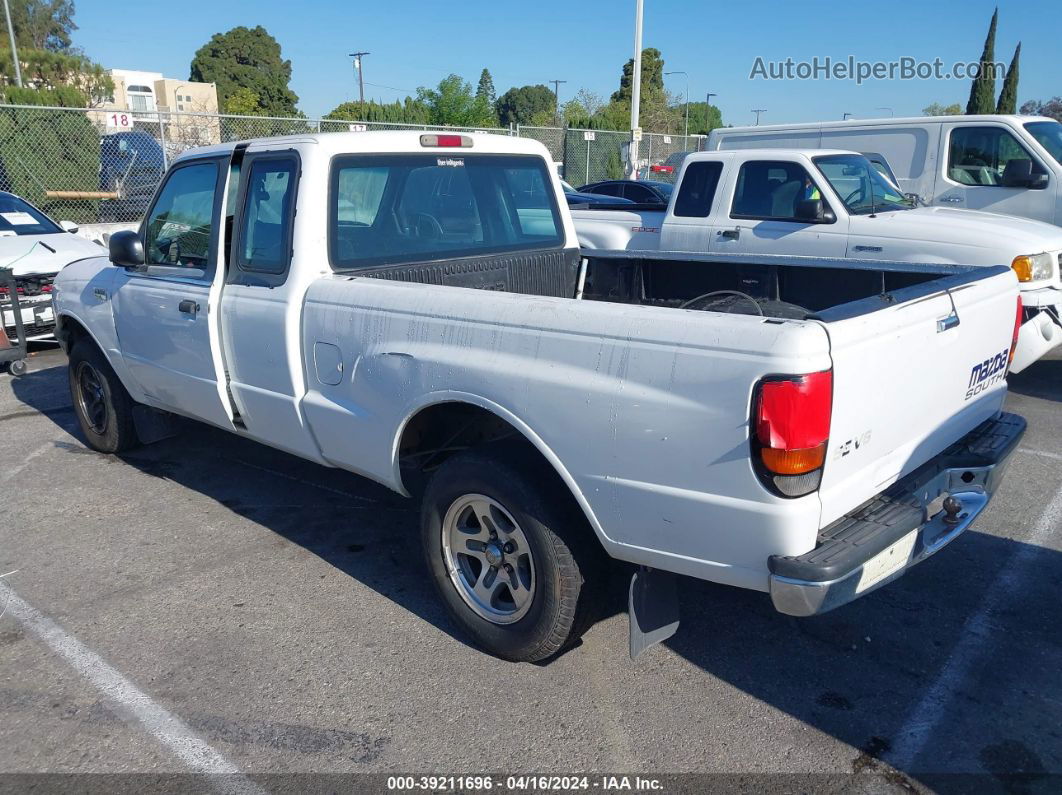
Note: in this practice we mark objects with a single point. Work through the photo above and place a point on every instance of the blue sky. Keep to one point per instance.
(586, 42)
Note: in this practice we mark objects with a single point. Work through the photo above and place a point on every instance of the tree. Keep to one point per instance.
(453, 103)
(246, 58)
(407, 111)
(244, 102)
(591, 102)
(41, 24)
(652, 78)
(54, 78)
(526, 104)
(936, 109)
(1052, 108)
(656, 110)
(485, 90)
(704, 118)
(983, 91)
(1008, 97)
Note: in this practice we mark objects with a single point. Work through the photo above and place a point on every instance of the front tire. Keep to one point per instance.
(510, 553)
(103, 407)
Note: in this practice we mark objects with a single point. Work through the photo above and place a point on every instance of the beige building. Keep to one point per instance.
(155, 100)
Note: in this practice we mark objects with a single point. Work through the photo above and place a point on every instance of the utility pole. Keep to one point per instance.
(758, 111)
(687, 132)
(357, 56)
(636, 91)
(556, 99)
(14, 49)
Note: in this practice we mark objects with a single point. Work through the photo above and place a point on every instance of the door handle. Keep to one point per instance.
(188, 307)
(730, 234)
(950, 199)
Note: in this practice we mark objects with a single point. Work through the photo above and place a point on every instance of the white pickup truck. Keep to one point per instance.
(831, 203)
(415, 309)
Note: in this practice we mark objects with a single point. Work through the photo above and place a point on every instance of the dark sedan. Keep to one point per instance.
(640, 191)
(575, 197)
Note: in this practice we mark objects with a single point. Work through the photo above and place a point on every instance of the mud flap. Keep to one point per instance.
(653, 608)
(153, 425)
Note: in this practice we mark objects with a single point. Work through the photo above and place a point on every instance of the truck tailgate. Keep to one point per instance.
(912, 377)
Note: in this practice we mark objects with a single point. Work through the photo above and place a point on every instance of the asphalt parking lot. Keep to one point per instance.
(278, 614)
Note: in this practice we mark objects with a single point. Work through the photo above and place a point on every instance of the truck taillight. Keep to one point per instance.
(791, 416)
(1014, 338)
(446, 140)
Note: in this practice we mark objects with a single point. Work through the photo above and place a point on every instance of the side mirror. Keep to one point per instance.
(126, 249)
(813, 211)
(69, 226)
(1018, 174)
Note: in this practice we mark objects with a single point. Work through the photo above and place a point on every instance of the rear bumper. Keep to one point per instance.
(899, 528)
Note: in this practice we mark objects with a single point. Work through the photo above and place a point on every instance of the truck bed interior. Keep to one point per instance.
(795, 291)
(776, 287)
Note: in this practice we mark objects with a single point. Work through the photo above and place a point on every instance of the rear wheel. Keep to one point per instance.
(103, 407)
(510, 553)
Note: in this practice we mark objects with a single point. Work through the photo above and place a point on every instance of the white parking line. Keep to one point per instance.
(1041, 453)
(16, 470)
(977, 636)
(161, 724)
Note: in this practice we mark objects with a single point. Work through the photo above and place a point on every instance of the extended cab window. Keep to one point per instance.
(980, 156)
(768, 189)
(393, 209)
(265, 228)
(180, 225)
(697, 189)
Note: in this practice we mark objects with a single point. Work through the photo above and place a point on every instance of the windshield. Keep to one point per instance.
(567, 188)
(1049, 135)
(861, 187)
(21, 218)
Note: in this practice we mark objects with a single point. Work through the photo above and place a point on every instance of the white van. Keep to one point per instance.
(1000, 164)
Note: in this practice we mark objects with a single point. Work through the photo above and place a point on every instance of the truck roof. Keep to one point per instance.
(878, 122)
(406, 141)
(764, 154)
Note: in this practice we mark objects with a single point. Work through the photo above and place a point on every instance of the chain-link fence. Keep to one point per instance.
(103, 165)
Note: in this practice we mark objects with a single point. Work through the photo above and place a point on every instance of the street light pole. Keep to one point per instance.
(14, 49)
(687, 131)
(556, 99)
(845, 116)
(758, 111)
(636, 90)
(888, 109)
(357, 56)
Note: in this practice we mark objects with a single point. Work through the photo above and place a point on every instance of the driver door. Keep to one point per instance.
(972, 177)
(762, 215)
(162, 308)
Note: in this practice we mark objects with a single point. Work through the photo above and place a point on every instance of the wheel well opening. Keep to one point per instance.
(69, 331)
(439, 431)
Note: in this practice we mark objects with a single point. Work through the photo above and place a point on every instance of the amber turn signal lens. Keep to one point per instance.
(1023, 267)
(793, 462)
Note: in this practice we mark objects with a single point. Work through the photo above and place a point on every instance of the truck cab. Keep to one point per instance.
(996, 163)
